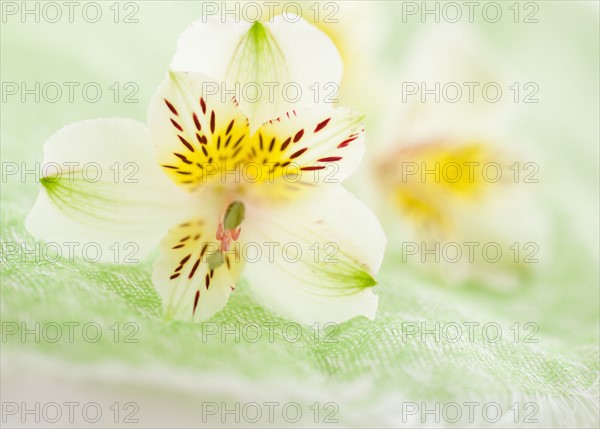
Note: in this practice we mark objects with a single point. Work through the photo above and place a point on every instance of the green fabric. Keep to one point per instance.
(560, 371)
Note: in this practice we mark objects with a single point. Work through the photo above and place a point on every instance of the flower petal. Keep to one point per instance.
(330, 246)
(311, 146)
(271, 56)
(198, 131)
(190, 288)
(208, 45)
(102, 185)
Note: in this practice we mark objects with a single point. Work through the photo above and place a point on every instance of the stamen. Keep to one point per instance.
(227, 231)
(215, 260)
(234, 215)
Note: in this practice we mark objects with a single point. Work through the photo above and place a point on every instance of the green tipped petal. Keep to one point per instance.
(323, 270)
(108, 189)
(247, 56)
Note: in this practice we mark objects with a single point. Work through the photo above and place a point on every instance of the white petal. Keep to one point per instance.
(350, 245)
(208, 47)
(104, 186)
(300, 61)
(310, 55)
(190, 289)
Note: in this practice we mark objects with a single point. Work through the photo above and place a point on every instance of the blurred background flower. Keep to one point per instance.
(447, 156)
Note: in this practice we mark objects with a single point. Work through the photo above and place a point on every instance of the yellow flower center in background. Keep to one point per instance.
(429, 182)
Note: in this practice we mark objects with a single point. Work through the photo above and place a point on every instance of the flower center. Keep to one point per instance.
(228, 231)
(430, 180)
(230, 226)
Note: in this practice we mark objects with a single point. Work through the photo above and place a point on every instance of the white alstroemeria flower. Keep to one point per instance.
(229, 189)
(455, 170)
(275, 66)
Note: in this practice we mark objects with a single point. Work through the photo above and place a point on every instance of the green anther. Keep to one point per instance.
(234, 215)
(215, 260)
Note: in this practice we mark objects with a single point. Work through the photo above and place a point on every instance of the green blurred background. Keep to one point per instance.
(369, 368)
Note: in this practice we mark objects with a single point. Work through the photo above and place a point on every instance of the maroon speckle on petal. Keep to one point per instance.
(298, 153)
(194, 268)
(176, 125)
(330, 159)
(197, 122)
(298, 136)
(212, 121)
(313, 168)
(183, 158)
(196, 298)
(286, 144)
(171, 108)
(322, 125)
(346, 142)
(186, 143)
